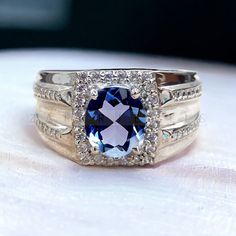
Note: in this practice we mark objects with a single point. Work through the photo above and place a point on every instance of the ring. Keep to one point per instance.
(117, 117)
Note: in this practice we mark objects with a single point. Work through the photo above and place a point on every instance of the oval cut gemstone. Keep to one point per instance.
(114, 122)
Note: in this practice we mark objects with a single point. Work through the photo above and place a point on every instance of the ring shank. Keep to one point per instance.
(179, 104)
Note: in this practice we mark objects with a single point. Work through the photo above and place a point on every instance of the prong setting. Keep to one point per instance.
(94, 93)
(135, 93)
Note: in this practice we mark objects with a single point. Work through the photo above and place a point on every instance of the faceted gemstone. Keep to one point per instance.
(114, 122)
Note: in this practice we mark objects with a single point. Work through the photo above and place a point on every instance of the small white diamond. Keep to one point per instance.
(146, 75)
(151, 86)
(134, 75)
(83, 75)
(94, 75)
(121, 74)
(83, 147)
(153, 99)
(108, 75)
(152, 137)
(151, 149)
(81, 88)
(153, 113)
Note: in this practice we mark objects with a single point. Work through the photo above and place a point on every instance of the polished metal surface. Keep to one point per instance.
(178, 91)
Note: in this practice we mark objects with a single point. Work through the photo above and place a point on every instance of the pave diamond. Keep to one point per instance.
(114, 122)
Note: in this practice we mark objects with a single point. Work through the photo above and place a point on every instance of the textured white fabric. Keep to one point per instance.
(42, 193)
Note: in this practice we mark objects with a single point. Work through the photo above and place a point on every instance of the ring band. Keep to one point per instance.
(113, 117)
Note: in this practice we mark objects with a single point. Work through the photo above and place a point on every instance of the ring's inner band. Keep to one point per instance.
(53, 110)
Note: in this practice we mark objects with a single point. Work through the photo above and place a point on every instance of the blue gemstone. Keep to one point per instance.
(114, 122)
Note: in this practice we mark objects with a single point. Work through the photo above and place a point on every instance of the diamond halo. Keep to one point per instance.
(140, 83)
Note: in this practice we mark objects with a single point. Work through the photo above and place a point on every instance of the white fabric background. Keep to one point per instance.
(42, 193)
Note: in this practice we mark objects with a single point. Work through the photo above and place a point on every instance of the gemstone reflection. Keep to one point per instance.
(114, 122)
